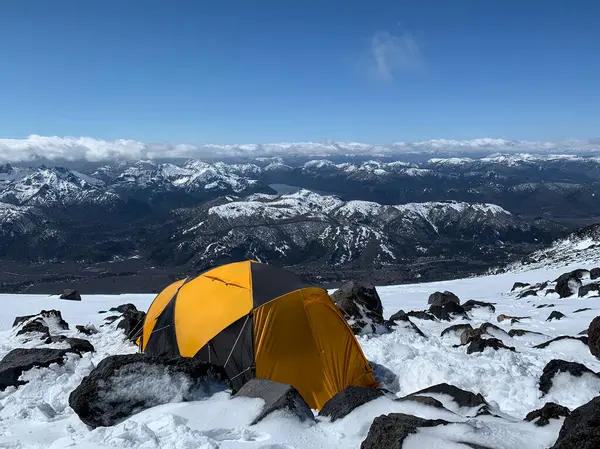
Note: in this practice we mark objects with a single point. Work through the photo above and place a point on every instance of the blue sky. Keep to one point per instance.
(269, 71)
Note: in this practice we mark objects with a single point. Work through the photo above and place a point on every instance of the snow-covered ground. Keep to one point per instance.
(37, 414)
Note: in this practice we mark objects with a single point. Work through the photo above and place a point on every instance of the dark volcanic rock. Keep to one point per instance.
(519, 285)
(472, 304)
(401, 319)
(390, 431)
(360, 304)
(71, 295)
(277, 397)
(583, 340)
(462, 398)
(561, 366)
(448, 311)
(567, 285)
(581, 429)
(441, 298)
(425, 400)
(86, 330)
(527, 293)
(521, 332)
(132, 323)
(580, 273)
(35, 327)
(78, 345)
(112, 318)
(593, 333)
(347, 400)
(549, 291)
(479, 344)
(543, 306)
(585, 309)
(556, 315)
(17, 361)
(457, 329)
(595, 273)
(123, 385)
(585, 290)
(421, 314)
(123, 308)
(550, 410)
(21, 319)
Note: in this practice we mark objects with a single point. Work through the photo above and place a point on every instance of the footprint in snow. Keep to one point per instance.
(240, 435)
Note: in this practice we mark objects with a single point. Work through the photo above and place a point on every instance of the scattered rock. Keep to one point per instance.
(585, 290)
(390, 431)
(556, 315)
(35, 327)
(567, 285)
(400, 319)
(456, 329)
(132, 323)
(583, 340)
(122, 385)
(461, 397)
(78, 345)
(479, 344)
(277, 397)
(550, 410)
(425, 400)
(472, 304)
(441, 298)
(87, 330)
(593, 333)
(519, 286)
(112, 318)
(71, 295)
(543, 306)
(527, 293)
(581, 273)
(17, 361)
(123, 308)
(493, 330)
(503, 317)
(595, 273)
(521, 332)
(581, 429)
(361, 306)
(585, 309)
(421, 314)
(448, 311)
(561, 366)
(347, 400)
(21, 319)
(469, 335)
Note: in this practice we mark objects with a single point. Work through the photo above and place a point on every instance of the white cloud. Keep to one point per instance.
(85, 148)
(390, 53)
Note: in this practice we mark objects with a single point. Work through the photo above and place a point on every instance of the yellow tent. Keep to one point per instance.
(257, 320)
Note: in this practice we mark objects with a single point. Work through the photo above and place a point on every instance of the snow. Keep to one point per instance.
(37, 415)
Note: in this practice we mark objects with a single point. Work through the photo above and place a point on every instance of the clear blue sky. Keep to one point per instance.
(267, 71)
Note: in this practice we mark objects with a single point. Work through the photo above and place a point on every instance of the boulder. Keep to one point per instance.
(479, 344)
(122, 385)
(567, 285)
(425, 400)
(448, 311)
(556, 366)
(132, 322)
(550, 410)
(581, 429)
(111, 318)
(550, 291)
(21, 319)
(123, 308)
(361, 306)
(527, 293)
(87, 330)
(462, 398)
(581, 273)
(71, 295)
(50, 318)
(441, 298)
(513, 319)
(277, 396)
(421, 314)
(17, 361)
(456, 329)
(583, 340)
(593, 333)
(78, 345)
(347, 400)
(521, 332)
(519, 286)
(35, 327)
(472, 304)
(401, 319)
(585, 290)
(390, 431)
(556, 315)
(595, 273)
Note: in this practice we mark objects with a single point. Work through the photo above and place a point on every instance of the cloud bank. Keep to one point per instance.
(94, 150)
(391, 53)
